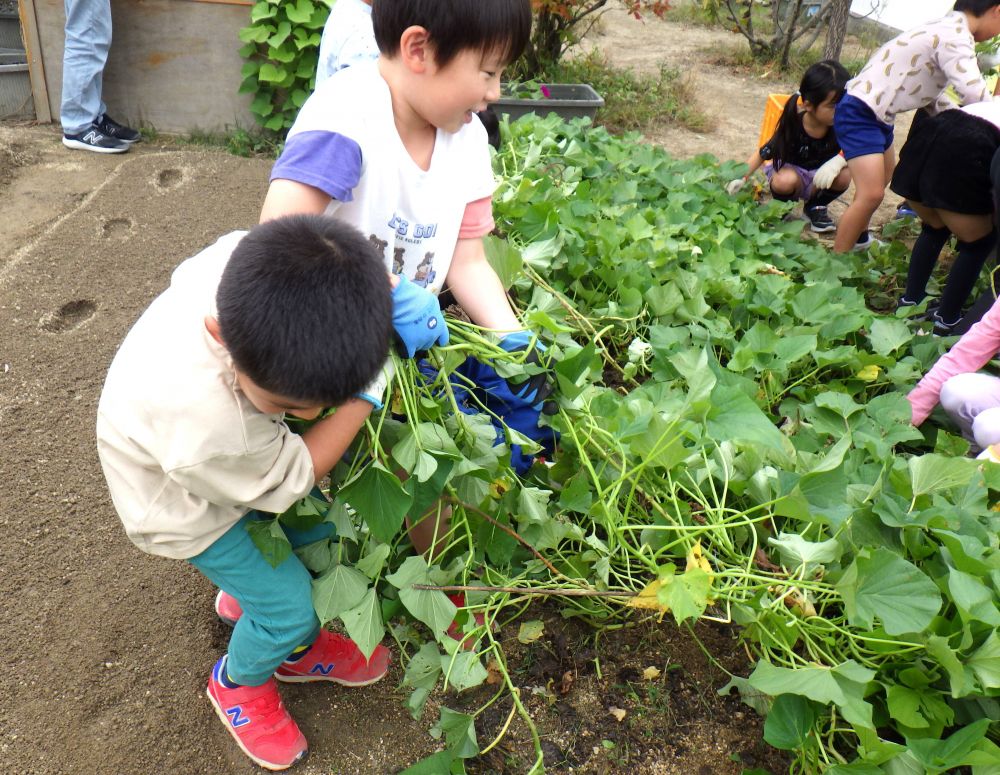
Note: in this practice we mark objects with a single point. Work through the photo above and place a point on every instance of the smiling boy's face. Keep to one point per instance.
(466, 85)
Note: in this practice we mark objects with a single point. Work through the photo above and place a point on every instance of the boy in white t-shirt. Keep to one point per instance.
(289, 318)
(348, 38)
(393, 147)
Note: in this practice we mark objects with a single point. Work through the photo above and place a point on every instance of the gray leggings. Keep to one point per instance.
(972, 400)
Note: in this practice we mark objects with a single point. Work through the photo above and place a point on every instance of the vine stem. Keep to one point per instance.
(510, 531)
(525, 590)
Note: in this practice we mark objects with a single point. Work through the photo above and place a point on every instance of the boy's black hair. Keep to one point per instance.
(975, 7)
(818, 81)
(305, 309)
(503, 26)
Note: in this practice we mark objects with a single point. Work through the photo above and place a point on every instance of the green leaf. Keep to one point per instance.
(459, 731)
(262, 105)
(435, 764)
(256, 34)
(271, 74)
(959, 678)
(941, 755)
(734, 416)
(975, 601)
(301, 12)
(317, 556)
(431, 607)
(422, 673)
(686, 595)
(882, 584)
(904, 706)
(262, 10)
(305, 514)
(571, 370)
(463, 670)
(889, 334)
(789, 721)
(504, 258)
(530, 631)
(341, 519)
(363, 623)
(379, 499)
(373, 563)
(797, 552)
(338, 590)
(985, 662)
(268, 536)
(933, 473)
(280, 35)
(840, 403)
(426, 667)
(843, 685)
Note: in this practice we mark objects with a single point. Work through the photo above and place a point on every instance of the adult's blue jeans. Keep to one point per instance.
(278, 614)
(88, 39)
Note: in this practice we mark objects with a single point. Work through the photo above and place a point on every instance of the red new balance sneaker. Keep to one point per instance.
(228, 608)
(335, 658)
(258, 721)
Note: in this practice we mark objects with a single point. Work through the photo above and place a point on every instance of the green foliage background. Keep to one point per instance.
(281, 46)
(735, 445)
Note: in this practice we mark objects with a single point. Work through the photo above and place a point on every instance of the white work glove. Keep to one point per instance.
(826, 174)
(988, 61)
(374, 392)
(733, 186)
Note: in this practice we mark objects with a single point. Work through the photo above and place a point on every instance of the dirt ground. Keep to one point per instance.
(106, 650)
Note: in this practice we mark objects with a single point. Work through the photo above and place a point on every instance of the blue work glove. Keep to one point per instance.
(533, 389)
(417, 318)
(517, 402)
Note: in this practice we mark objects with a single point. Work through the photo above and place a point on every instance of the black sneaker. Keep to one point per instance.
(93, 139)
(819, 219)
(112, 128)
(943, 327)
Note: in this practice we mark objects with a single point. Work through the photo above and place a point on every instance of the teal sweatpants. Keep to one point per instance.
(278, 614)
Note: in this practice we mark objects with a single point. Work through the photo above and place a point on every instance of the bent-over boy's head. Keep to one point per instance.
(497, 27)
(305, 311)
(983, 16)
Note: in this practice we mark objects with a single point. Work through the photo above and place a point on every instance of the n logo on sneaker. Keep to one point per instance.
(236, 717)
(92, 137)
(324, 669)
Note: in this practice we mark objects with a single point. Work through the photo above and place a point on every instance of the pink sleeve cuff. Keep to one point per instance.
(478, 219)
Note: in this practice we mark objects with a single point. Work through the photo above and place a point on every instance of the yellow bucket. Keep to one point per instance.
(772, 113)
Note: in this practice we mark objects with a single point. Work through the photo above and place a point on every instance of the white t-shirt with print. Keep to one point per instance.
(344, 142)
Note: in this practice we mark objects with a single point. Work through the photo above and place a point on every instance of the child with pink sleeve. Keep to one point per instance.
(970, 397)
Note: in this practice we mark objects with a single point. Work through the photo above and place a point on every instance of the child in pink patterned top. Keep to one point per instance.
(909, 72)
(970, 397)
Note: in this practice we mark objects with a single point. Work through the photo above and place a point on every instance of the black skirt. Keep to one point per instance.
(945, 163)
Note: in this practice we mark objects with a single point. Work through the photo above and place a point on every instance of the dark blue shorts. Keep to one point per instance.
(859, 132)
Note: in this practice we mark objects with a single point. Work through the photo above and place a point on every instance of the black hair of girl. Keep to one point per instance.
(976, 7)
(817, 83)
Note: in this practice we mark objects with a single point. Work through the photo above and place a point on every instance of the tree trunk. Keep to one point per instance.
(786, 48)
(837, 31)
